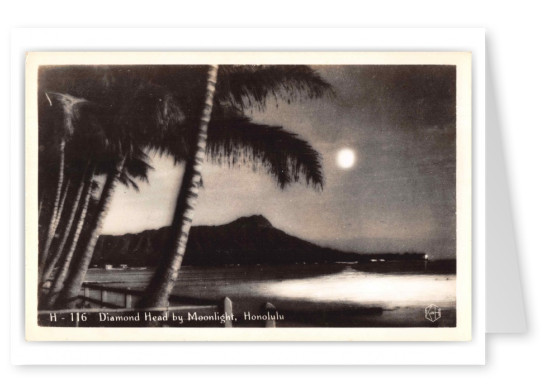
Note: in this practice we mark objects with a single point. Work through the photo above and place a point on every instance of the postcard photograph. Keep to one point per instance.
(248, 196)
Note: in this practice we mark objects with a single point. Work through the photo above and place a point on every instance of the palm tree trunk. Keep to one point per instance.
(40, 207)
(162, 283)
(56, 225)
(68, 229)
(52, 227)
(62, 272)
(71, 289)
(61, 206)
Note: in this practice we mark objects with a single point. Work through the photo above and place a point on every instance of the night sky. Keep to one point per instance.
(398, 196)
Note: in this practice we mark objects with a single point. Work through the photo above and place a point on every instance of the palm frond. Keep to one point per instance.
(251, 85)
(157, 107)
(63, 109)
(128, 182)
(239, 142)
(137, 166)
(148, 115)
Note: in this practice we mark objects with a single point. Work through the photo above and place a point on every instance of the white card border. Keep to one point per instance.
(246, 353)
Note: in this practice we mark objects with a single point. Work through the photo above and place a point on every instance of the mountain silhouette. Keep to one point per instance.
(245, 241)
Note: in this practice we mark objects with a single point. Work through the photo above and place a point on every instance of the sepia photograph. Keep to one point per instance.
(248, 196)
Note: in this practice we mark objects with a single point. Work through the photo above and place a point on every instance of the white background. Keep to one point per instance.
(517, 39)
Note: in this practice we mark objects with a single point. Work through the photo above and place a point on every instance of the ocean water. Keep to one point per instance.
(312, 295)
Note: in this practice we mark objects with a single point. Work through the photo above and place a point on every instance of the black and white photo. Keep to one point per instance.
(284, 196)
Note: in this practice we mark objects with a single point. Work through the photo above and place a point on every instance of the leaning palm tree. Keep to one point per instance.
(60, 264)
(129, 114)
(51, 264)
(236, 88)
(66, 109)
(163, 282)
(70, 275)
(129, 133)
(83, 150)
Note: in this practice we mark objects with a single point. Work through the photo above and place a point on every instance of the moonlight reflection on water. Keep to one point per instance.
(365, 288)
(347, 286)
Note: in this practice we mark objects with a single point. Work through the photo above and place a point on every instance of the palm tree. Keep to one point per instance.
(239, 83)
(70, 108)
(52, 263)
(83, 150)
(164, 280)
(71, 276)
(127, 115)
(131, 114)
(128, 131)
(61, 275)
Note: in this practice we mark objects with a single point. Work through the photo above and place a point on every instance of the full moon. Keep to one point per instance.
(346, 158)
